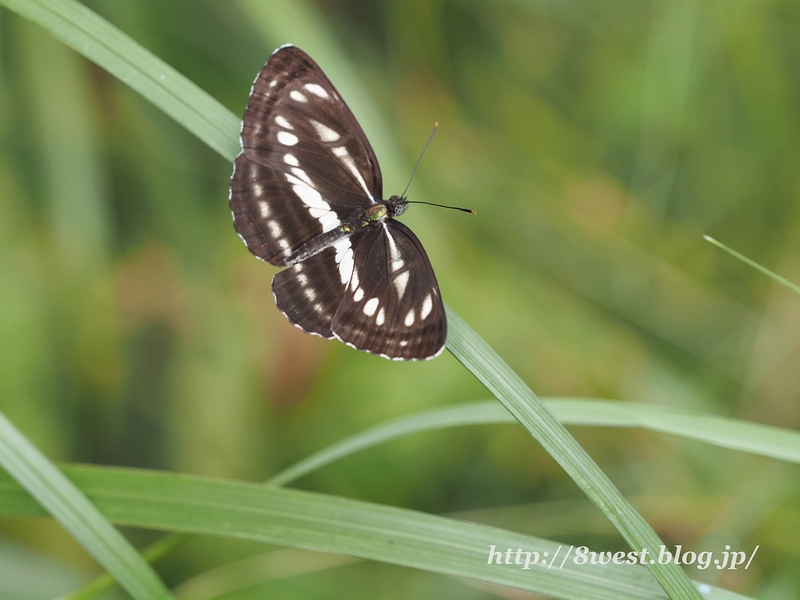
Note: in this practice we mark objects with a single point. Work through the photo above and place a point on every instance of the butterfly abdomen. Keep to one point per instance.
(371, 216)
(319, 243)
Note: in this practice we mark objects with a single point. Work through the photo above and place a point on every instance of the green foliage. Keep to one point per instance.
(597, 142)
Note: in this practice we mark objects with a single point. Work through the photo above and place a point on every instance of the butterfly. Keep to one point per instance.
(307, 193)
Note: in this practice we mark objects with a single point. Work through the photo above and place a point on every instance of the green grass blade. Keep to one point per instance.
(755, 438)
(203, 116)
(451, 416)
(102, 43)
(257, 570)
(782, 280)
(241, 510)
(105, 582)
(484, 363)
(59, 497)
(775, 442)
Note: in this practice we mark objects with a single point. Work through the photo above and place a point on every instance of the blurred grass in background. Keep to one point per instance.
(597, 143)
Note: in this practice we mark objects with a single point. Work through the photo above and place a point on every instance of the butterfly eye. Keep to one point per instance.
(399, 205)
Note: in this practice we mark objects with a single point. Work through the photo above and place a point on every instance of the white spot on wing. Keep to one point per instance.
(297, 96)
(400, 283)
(317, 90)
(342, 153)
(359, 294)
(301, 174)
(325, 133)
(371, 306)
(283, 122)
(394, 253)
(381, 318)
(328, 219)
(287, 139)
(409, 318)
(310, 293)
(317, 207)
(344, 258)
(354, 281)
(258, 189)
(291, 159)
(263, 208)
(274, 229)
(427, 307)
(310, 197)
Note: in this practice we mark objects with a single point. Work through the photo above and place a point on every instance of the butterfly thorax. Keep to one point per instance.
(372, 216)
(382, 211)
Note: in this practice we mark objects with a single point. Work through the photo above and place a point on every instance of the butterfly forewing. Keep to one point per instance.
(392, 304)
(266, 212)
(296, 122)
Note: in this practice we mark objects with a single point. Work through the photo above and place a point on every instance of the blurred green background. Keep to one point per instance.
(597, 142)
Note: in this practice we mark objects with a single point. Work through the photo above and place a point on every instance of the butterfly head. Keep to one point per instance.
(397, 205)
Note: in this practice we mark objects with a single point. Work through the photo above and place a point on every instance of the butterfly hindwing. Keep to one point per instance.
(392, 305)
(310, 292)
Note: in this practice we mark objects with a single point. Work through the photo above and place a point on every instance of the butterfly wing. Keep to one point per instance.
(310, 292)
(267, 213)
(306, 165)
(392, 305)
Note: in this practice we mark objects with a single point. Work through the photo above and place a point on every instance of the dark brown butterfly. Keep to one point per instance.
(306, 193)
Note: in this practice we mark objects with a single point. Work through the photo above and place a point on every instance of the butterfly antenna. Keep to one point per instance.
(466, 210)
(419, 160)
